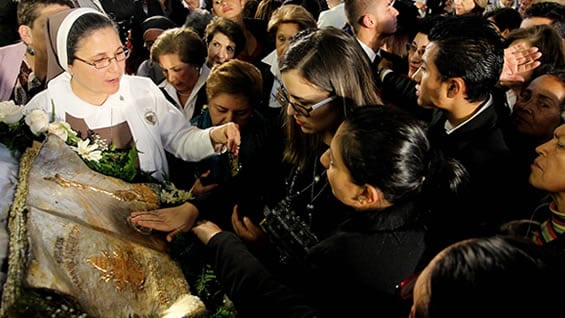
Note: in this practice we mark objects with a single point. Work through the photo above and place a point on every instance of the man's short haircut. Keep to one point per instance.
(469, 47)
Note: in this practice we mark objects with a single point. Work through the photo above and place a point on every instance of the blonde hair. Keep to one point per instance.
(291, 13)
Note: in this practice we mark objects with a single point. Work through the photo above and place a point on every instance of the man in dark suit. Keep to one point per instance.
(459, 71)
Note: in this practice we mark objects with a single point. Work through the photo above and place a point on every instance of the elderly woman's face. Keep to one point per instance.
(537, 111)
(285, 32)
(547, 169)
(91, 83)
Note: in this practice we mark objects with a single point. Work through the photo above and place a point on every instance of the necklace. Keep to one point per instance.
(311, 186)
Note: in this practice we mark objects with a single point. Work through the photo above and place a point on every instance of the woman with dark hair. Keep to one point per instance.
(225, 40)
(257, 43)
(469, 7)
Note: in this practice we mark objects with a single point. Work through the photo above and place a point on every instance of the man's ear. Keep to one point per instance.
(25, 34)
(368, 21)
(455, 86)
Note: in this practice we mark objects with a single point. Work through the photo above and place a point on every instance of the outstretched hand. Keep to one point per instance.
(227, 135)
(518, 59)
(172, 220)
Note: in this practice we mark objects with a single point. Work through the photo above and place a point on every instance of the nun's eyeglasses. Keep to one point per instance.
(121, 55)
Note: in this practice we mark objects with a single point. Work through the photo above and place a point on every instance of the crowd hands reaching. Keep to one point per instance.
(335, 171)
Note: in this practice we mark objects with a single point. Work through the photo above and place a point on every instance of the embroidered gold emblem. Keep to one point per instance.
(119, 267)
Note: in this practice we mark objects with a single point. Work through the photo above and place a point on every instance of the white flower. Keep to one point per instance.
(60, 129)
(10, 113)
(87, 151)
(38, 121)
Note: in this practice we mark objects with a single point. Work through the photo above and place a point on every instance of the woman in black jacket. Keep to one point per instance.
(381, 164)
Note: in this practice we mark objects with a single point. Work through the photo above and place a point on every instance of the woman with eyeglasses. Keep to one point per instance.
(352, 272)
(94, 96)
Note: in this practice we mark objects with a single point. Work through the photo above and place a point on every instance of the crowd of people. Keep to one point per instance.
(348, 158)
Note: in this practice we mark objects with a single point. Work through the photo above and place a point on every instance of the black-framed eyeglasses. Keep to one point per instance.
(121, 55)
(303, 110)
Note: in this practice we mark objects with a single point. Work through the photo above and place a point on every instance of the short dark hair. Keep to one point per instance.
(469, 47)
(551, 10)
(505, 18)
(498, 276)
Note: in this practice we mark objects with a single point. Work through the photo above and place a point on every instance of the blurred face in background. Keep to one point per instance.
(192, 4)
(385, 14)
(524, 4)
(230, 9)
(463, 6)
(416, 50)
(285, 32)
(150, 36)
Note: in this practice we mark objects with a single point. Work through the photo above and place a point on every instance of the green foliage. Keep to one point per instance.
(117, 163)
(191, 255)
(17, 137)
